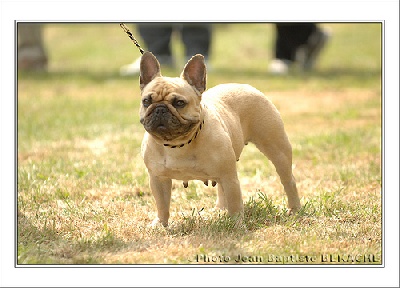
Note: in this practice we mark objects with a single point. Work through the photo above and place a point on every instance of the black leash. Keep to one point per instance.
(126, 30)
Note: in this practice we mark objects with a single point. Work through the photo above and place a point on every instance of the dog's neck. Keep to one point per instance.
(196, 133)
(192, 135)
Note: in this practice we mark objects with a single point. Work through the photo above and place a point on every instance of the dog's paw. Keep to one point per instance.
(157, 223)
(292, 211)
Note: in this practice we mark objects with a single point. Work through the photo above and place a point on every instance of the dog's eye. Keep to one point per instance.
(146, 102)
(179, 104)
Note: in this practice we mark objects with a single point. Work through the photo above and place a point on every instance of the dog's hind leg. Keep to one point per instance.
(221, 199)
(232, 197)
(280, 154)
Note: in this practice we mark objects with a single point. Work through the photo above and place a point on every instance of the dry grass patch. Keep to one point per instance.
(87, 200)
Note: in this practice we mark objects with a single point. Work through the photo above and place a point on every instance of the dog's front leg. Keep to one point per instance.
(161, 189)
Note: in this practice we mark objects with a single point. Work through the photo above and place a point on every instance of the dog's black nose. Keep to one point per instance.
(161, 109)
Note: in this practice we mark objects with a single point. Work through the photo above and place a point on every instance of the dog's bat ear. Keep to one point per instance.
(149, 69)
(195, 73)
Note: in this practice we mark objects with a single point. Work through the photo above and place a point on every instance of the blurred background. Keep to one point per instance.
(236, 47)
(75, 85)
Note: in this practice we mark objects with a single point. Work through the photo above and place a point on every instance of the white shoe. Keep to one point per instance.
(278, 67)
(131, 69)
(134, 67)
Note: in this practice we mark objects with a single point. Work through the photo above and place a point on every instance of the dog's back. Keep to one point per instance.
(248, 108)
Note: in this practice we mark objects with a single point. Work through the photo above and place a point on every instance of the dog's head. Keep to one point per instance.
(170, 110)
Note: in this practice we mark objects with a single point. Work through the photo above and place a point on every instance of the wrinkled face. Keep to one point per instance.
(170, 108)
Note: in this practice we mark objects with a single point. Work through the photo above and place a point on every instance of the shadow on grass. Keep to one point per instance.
(320, 73)
(91, 76)
(258, 213)
(334, 78)
(332, 74)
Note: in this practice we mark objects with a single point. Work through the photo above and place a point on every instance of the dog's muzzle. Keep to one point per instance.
(161, 122)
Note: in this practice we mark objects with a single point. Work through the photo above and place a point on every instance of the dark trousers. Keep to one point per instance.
(157, 37)
(290, 36)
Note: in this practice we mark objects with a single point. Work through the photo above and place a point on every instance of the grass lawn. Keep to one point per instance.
(82, 188)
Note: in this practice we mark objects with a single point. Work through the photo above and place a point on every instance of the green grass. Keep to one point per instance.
(82, 188)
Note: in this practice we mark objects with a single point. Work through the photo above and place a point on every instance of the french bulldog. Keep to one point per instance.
(194, 134)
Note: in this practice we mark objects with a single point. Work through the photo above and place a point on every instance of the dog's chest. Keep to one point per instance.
(181, 167)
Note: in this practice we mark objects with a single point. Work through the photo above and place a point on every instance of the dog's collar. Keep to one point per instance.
(190, 141)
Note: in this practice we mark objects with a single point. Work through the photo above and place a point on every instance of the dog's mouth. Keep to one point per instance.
(161, 128)
(168, 132)
(162, 124)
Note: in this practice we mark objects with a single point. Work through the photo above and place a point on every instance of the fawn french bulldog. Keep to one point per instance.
(193, 134)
